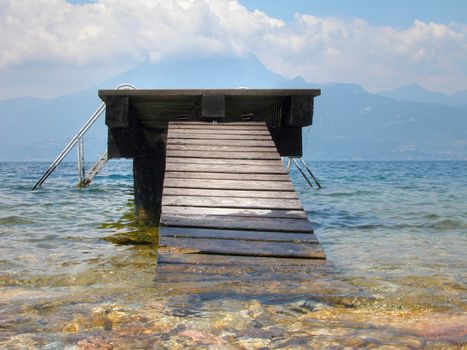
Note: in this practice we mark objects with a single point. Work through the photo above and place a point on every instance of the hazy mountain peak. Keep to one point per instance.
(416, 93)
(210, 72)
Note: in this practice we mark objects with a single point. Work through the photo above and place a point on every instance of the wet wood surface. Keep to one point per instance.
(228, 196)
(229, 193)
(203, 154)
(267, 236)
(235, 212)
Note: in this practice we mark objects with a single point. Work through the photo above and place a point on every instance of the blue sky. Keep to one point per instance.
(50, 47)
(397, 13)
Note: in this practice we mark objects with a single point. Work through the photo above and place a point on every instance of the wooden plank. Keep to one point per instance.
(219, 127)
(164, 258)
(206, 142)
(256, 224)
(225, 161)
(212, 131)
(219, 168)
(225, 176)
(220, 136)
(237, 212)
(266, 236)
(229, 193)
(207, 125)
(245, 248)
(230, 184)
(226, 202)
(222, 154)
(183, 94)
(251, 149)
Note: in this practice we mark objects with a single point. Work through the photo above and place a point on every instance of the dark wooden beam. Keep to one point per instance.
(148, 179)
(103, 94)
(213, 107)
(288, 141)
(118, 111)
(297, 111)
(131, 143)
(155, 108)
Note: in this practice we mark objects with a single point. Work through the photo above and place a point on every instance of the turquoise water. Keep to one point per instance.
(77, 272)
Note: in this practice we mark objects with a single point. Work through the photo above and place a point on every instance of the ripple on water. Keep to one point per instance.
(15, 220)
(449, 224)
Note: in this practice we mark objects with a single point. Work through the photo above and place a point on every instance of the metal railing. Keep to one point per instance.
(78, 140)
(302, 169)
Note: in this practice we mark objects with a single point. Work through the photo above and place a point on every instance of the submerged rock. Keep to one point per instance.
(95, 343)
(202, 337)
(254, 343)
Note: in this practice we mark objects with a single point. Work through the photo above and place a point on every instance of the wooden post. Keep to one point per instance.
(148, 179)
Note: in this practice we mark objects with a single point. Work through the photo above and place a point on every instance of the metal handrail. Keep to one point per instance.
(309, 172)
(306, 167)
(77, 137)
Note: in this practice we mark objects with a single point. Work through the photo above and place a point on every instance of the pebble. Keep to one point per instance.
(254, 343)
(94, 343)
(202, 337)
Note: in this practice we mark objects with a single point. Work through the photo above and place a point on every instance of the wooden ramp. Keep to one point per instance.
(228, 199)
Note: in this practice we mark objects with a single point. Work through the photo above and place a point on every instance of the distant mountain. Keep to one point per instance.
(353, 124)
(349, 122)
(35, 129)
(416, 93)
(214, 72)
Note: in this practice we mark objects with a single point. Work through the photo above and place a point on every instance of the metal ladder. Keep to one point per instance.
(302, 169)
(77, 140)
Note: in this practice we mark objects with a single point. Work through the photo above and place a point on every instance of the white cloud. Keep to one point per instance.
(119, 33)
(332, 49)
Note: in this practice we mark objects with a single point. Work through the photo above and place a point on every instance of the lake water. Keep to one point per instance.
(77, 272)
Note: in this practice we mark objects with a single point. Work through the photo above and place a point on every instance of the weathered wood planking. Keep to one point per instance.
(188, 124)
(218, 127)
(225, 168)
(222, 154)
(242, 248)
(266, 236)
(225, 161)
(165, 257)
(223, 132)
(234, 212)
(217, 142)
(220, 136)
(226, 202)
(225, 176)
(227, 194)
(217, 148)
(256, 223)
(229, 184)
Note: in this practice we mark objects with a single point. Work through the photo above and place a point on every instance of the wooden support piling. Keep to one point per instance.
(148, 178)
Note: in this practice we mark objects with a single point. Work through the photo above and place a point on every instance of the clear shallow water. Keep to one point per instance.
(395, 235)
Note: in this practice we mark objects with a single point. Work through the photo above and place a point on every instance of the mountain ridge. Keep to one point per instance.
(416, 93)
(350, 123)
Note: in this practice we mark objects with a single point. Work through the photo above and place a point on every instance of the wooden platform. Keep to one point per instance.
(227, 195)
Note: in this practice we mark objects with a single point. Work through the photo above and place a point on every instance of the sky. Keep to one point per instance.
(52, 47)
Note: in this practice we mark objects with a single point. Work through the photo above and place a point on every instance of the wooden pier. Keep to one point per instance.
(227, 193)
(207, 167)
